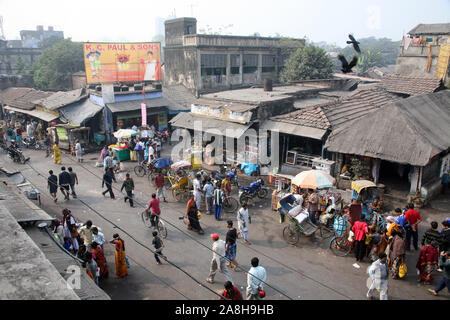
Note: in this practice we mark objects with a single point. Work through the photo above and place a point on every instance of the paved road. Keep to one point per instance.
(306, 271)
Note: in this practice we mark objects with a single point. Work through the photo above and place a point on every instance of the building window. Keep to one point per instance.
(268, 63)
(250, 63)
(235, 63)
(213, 64)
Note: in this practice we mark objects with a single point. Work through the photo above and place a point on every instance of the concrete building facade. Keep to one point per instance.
(207, 63)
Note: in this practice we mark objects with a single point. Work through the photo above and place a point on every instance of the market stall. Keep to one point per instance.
(121, 148)
(282, 186)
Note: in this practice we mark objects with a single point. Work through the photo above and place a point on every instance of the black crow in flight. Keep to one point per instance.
(355, 43)
(347, 67)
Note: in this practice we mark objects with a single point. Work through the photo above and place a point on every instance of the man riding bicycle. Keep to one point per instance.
(155, 211)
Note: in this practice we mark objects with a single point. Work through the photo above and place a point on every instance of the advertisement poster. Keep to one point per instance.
(144, 114)
(122, 62)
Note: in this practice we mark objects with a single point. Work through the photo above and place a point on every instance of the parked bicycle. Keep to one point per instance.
(340, 245)
(160, 226)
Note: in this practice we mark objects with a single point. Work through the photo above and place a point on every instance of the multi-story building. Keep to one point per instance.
(205, 63)
(31, 38)
(422, 49)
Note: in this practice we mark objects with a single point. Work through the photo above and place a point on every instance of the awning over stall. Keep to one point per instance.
(135, 105)
(230, 129)
(78, 113)
(293, 129)
(47, 117)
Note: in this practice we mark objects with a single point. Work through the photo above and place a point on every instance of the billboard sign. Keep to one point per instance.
(122, 62)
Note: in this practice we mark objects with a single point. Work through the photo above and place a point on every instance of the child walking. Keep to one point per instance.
(158, 244)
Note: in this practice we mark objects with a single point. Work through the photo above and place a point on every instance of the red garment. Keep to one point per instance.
(159, 181)
(428, 255)
(413, 216)
(360, 230)
(234, 292)
(154, 205)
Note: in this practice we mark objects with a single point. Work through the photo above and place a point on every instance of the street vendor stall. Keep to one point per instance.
(283, 187)
(67, 135)
(121, 149)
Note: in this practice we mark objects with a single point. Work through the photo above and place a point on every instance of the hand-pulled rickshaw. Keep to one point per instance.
(299, 222)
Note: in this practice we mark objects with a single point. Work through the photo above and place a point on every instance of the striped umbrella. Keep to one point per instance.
(314, 179)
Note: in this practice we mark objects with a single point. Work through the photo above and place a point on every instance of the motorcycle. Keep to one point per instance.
(256, 189)
(32, 143)
(218, 177)
(16, 155)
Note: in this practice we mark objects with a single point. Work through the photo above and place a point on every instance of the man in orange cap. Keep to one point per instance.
(218, 260)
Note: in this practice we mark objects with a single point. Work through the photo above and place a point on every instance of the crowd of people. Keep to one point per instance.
(87, 242)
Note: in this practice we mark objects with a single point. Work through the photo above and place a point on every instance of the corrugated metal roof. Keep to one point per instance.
(80, 112)
(412, 86)
(47, 117)
(230, 129)
(293, 129)
(411, 131)
(134, 105)
(434, 28)
(61, 99)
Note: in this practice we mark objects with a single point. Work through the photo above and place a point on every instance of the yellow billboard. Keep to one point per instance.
(122, 62)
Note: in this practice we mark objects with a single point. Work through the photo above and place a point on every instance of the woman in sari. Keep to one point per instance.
(121, 263)
(192, 215)
(397, 253)
(99, 257)
(427, 263)
(56, 154)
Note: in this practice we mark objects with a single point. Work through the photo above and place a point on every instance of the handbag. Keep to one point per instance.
(402, 270)
(127, 262)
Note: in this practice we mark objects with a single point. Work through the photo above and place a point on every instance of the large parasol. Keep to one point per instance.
(125, 133)
(313, 179)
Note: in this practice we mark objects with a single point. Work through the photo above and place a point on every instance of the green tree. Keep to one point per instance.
(369, 59)
(49, 42)
(20, 66)
(388, 49)
(307, 63)
(54, 68)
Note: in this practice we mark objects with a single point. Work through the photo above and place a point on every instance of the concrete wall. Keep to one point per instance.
(9, 59)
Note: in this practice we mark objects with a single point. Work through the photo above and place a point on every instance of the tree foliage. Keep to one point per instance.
(49, 42)
(54, 68)
(387, 48)
(369, 59)
(308, 62)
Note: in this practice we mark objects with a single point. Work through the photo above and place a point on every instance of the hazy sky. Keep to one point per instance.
(132, 20)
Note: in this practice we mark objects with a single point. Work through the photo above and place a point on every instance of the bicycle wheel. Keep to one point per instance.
(139, 171)
(162, 229)
(178, 195)
(146, 219)
(324, 232)
(340, 246)
(230, 205)
(290, 235)
(246, 199)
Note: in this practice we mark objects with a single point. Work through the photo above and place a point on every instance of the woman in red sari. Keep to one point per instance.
(121, 263)
(99, 257)
(427, 263)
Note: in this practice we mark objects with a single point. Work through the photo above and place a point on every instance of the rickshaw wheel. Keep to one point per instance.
(290, 235)
(139, 171)
(178, 195)
(151, 178)
(340, 246)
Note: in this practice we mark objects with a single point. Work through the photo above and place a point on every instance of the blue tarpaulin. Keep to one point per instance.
(162, 162)
(249, 168)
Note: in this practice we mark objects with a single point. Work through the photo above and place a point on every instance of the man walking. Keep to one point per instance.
(108, 163)
(209, 193)
(414, 218)
(52, 183)
(218, 261)
(108, 179)
(243, 222)
(64, 182)
(78, 151)
(219, 197)
(155, 210)
(230, 247)
(444, 263)
(73, 180)
(160, 189)
(256, 277)
(378, 273)
(128, 184)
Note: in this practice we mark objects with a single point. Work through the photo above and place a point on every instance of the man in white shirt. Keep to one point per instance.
(197, 190)
(218, 261)
(256, 277)
(151, 153)
(134, 128)
(243, 221)
(98, 237)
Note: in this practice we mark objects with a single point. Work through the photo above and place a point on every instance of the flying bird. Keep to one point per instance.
(347, 67)
(355, 43)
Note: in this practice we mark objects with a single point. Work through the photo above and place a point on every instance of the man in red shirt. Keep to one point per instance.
(360, 229)
(414, 218)
(159, 182)
(154, 205)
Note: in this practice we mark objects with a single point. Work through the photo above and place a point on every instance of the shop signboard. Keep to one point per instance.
(144, 114)
(122, 62)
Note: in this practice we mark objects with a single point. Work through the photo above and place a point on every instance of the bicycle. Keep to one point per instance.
(160, 226)
(340, 245)
(230, 204)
